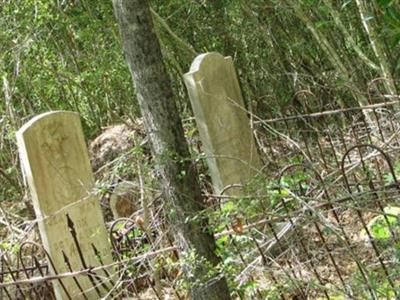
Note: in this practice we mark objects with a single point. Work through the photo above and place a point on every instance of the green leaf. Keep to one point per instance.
(381, 227)
(380, 232)
(222, 240)
(228, 207)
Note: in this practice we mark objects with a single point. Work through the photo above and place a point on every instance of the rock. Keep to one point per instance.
(114, 141)
(124, 200)
(114, 164)
(109, 145)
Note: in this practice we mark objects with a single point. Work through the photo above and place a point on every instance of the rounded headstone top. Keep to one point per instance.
(45, 117)
(205, 59)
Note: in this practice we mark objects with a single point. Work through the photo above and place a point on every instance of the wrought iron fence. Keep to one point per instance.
(325, 226)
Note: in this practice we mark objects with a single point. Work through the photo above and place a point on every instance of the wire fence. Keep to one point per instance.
(326, 224)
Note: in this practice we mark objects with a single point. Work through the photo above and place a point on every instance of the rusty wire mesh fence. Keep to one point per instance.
(322, 222)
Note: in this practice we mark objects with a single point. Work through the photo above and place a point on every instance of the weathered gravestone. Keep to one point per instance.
(222, 121)
(55, 162)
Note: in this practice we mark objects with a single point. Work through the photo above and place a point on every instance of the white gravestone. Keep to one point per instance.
(222, 121)
(56, 165)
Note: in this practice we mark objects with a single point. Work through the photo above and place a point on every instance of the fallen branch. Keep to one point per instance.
(330, 112)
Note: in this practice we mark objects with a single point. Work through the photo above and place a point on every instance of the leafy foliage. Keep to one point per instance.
(66, 55)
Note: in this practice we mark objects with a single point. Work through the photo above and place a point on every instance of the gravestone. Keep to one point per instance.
(222, 121)
(55, 163)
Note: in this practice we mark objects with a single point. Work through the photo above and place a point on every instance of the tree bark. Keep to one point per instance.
(169, 147)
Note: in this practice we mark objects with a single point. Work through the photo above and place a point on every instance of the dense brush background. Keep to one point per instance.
(66, 54)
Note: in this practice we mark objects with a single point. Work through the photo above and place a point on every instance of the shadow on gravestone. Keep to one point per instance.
(222, 121)
(55, 162)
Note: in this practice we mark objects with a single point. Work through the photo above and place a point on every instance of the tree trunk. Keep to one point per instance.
(169, 147)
